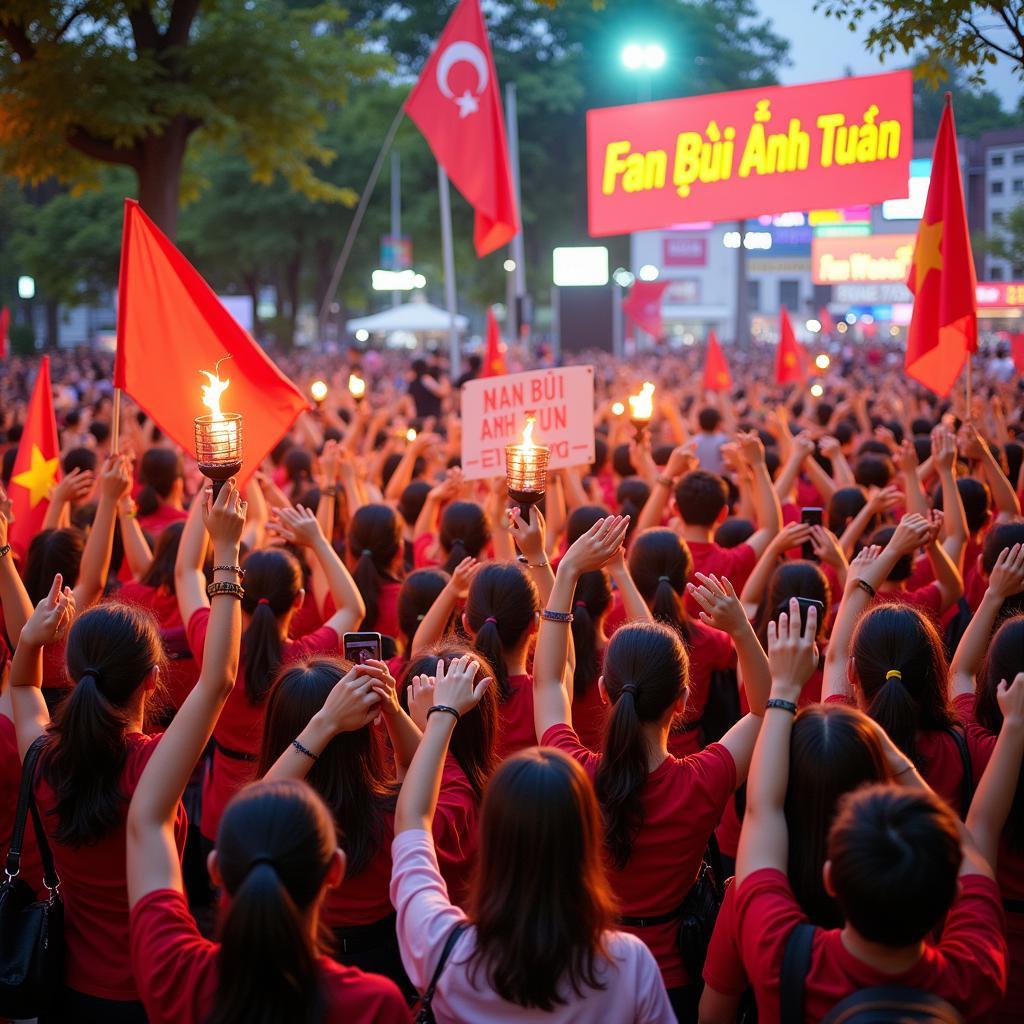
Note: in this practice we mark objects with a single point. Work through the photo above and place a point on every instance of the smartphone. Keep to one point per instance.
(362, 647)
(812, 517)
(806, 603)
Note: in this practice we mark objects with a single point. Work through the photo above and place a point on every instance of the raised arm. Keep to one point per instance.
(530, 539)
(633, 604)
(48, 624)
(14, 599)
(456, 691)
(842, 474)
(115, 480)
(76, 486)
(402, 730)
(680, 462)
(766, 501)
(552, 680)
(906, 463)
(152, 853)
(1006, 580)
(800, 451)
(954, 515)
(764, 840)
(189, 579)
(877, 503)
(994, 795)
(947, 576)
(137, 552)
(434, 623)
(1004, 497)
(756, 586)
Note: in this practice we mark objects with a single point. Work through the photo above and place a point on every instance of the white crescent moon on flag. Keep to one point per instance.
(462, 51)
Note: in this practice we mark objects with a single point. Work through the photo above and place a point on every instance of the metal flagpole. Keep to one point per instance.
(396, 213)
(969, 387)
(357, 220)
(448, 252)
(115, 425)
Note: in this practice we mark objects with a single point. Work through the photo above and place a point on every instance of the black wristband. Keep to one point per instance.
(446, 709)
(866, 587)
(784, 705)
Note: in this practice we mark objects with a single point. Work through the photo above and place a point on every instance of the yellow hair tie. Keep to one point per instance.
(893, 673)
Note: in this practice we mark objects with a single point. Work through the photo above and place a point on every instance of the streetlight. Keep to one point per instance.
(645, 58)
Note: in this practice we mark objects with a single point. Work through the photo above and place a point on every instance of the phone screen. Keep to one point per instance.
(812, 517)
(362, 647)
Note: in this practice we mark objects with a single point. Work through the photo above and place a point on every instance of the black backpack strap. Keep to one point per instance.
(796, 962)
(967, 786)
(449, 945)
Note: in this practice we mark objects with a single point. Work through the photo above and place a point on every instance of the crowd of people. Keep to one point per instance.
(729, 728)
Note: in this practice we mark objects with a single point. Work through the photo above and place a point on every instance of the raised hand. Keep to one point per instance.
(457, 687)
(52, 618)
(224, 516)
(595, 548)
(115, 478)
(884, 499)
(296, 525)
(76, 486)
(1011, 700)
(913, 532)
(792, 654)
(530, 537)
(721, 608)
(827, 547)
(420, 697)
(385, 687)
(353, 702)
(751, 447)
(463, 577)
(1007, 576)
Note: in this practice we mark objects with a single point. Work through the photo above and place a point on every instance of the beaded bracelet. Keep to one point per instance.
(236, 569)
(522, 559)
(5, 551)
(305, 750)
(563, 617)
(232, 589)
(782, 705)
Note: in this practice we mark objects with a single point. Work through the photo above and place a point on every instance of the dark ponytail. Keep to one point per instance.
(465, 532)
(903, 674)
(274, 848)
(660, 564)
(374, 542)
(111, 650)
(420, 589)
(51, 552)
(159, 470)
(500, 609)
(593, 598)
(160, 573)
(273, 580)
(646, 671)
(632, 494)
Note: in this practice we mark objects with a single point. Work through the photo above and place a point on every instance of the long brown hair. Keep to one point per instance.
(540, 899)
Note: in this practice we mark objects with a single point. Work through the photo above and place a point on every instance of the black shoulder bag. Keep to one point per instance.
(31, 930)
(425, 1014)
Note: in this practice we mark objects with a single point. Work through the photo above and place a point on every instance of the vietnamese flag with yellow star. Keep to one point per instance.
(716, 369)
(790, 358)
(36, 466)
(944, 325)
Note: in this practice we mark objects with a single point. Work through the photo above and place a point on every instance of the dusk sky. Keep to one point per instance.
(822, 48)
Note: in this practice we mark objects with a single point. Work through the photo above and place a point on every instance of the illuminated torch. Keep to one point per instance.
(356, 387)
(641, 409)
(218, 434)
(318, 389)
(526, 470)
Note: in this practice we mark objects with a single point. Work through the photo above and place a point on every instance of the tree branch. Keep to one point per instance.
(17, 37)
(183, 13)
(992, 44)
(144, 30)
(101, 149)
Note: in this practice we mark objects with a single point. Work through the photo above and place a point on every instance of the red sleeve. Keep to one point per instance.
(564, 738)
(841, 698)
(741, 565)
(723, 968)
(980, 742)
(713, 784)
(766, 912)
(196, 631)
(324, 640)
(171, 960)
(421, 548)
(928, 598)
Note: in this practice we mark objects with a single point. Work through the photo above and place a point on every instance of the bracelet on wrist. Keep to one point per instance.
(305, 750)
(565, 618)
(236, 569)
(782, 705)
(666, 481)
(523, 560)
(446, 709)
(5, 551)
(229, 589)
(866, 587)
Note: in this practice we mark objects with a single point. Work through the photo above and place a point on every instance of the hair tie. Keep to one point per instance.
(490, 618)
(420, 618)
(664, 579)
(628, 688)
(894, 673)
(262, 858)
(93, 673)
(579, 604)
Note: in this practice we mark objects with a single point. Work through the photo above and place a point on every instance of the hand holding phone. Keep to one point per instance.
(362, 647)
(812, 517)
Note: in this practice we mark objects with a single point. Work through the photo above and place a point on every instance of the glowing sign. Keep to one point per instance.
(878, 258)
(742, 154)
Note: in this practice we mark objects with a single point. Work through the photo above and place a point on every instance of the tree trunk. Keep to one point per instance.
(159, 174)
(52, 323)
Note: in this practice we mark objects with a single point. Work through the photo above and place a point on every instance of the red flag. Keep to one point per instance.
(716, 369)
(457, 106)
(494, 358)
(643, 305)
(790, 358)
(944, 325)
(1017, 351)
(170, 326)
(37, 464)
(5, 326)
(828, 325)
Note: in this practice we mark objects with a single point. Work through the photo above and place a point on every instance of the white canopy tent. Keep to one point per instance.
(415, 317)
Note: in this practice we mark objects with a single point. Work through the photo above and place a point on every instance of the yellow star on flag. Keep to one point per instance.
(789, 359)
(38, 478)
(927, 252)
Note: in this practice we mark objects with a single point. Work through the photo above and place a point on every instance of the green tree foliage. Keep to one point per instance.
(978, 110)
(1005, 242)
(956, 33)
(132, 83)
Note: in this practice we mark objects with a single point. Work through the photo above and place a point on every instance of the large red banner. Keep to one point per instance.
(732, 155)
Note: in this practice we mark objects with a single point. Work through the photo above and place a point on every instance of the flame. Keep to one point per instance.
(410, 434)
(318, 389)
(356, 385)
(641, 406)
(528, 432)
(213, 390)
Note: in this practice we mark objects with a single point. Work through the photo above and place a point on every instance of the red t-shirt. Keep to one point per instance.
(162, 603)
(364, 898)
(93, 880)
(967, 968)
(589, 714)
(164, 516)
(177, 972)
(710, 650)
(682, 803)
(240, 726)
(518, 730)
(735, 564)
(387, 610)
(10, 787)
(424, 555)
(723, 968)
(927, 598)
